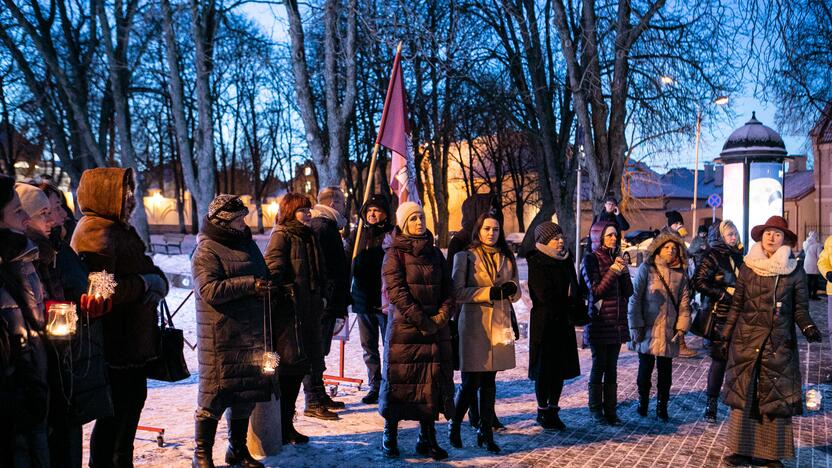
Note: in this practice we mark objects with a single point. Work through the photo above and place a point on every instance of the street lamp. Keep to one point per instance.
(720, 101)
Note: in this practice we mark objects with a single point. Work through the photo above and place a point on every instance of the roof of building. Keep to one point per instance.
(799, 184)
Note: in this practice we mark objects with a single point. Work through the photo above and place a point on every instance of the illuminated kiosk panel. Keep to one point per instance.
(733, 195)
(765, 193)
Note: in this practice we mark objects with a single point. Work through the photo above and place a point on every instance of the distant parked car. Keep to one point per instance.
(515, 240)
(634, 245)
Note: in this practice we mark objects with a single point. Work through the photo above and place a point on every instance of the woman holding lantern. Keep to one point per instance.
(105, 240)
(763, 385)
(296, 267)
(233, 333)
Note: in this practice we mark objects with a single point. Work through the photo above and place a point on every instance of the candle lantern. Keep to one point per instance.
(62, 320)
(102, 284)
(814, 398)
(270, 362)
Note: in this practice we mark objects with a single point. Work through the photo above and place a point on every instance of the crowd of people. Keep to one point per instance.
(265, 320)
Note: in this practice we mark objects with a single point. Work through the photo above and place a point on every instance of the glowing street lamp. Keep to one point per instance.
(720, 101)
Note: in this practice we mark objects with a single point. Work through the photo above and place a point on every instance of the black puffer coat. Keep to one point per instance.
(418, 375)
(229, 317)
(553, 287)
(608, 320)
(294, 262)
(333, 257)
(716, 271)
(763, 333)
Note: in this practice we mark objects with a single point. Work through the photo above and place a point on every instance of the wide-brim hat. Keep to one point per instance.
(775, 222)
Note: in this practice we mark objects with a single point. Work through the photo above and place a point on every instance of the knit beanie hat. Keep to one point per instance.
(546, 231)
(379, 201)
(404, 211)
(33, 199)
(674, 217)
(226, 208)
(6, 190)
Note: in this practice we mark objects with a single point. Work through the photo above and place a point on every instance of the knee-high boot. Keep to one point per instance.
(205, 429)
(488, 396)
(390, 439)
(237, 453)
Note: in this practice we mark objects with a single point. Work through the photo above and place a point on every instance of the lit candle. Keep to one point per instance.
(270, 362)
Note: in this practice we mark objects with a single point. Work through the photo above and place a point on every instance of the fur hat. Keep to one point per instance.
(33, 199)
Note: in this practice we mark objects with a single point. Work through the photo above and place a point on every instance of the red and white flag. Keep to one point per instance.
(394, 134)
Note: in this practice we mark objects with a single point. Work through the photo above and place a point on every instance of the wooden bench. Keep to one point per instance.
(169, 241)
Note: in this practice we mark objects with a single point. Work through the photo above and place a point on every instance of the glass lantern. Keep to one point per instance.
(62, 321)
(270, 362)
(814, 398)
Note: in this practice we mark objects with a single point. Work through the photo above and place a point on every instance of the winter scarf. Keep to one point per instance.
(551, 252)
(781, 263)
(491, 257)
(226, 235)
(323, 211)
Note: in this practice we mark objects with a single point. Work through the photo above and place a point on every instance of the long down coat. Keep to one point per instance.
(417, 382)
(553, 288)
(761, 331)
(486, 338)
(652, 308)
(229, 319)
(295, 264)
(715, 273)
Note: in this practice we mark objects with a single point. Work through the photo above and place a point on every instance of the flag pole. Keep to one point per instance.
(369, 185)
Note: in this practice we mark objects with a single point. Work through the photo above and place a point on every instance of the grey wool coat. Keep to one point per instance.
(486, 338)
(652, 308)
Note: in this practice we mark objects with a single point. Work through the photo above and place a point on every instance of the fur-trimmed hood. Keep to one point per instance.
(662, 239)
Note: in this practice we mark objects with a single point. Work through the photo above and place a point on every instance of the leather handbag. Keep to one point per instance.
(703, 322)
(169, 365)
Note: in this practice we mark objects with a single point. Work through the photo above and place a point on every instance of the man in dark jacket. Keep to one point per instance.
(105, 240)
(231, 284)
(366, 287)
(327, 222)
(613, 214)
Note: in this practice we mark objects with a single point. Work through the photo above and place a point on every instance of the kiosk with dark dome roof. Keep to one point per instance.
(753, 158)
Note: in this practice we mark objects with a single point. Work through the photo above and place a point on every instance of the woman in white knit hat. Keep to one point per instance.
(417, 380)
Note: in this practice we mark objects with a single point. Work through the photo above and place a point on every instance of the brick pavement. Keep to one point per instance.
(686, 440)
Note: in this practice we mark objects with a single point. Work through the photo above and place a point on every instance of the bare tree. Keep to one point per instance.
(328, 142)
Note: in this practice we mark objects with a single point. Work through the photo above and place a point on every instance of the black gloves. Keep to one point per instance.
(509, 289)
(829, 276)
(812, 334)
(495, 293)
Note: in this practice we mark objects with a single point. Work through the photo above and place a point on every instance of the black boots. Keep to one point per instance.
(205, 429)
(710, 410)
(611, 404)
(643, 404)
(488, 397)
(548, 419)
(390, 439)
(454, 435)
(287, 429)
(426, 444)
(661, 409)
(237, 453)
(595, 405)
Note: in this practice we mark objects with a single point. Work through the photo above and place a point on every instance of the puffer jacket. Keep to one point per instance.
(811, 247)
(293, 262)
(716, 272)
(366, 268)
(229, 317)
(607, 293)
(105, 241)
(761, 327)
(21, 310)
(417, 382)
(825, 263)
(653, 308)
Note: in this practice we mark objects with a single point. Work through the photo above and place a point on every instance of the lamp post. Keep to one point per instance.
(720, 101)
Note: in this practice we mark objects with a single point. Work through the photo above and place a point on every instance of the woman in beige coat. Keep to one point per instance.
(485, 284)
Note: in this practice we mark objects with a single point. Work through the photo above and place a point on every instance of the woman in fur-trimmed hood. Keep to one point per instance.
(658, 315)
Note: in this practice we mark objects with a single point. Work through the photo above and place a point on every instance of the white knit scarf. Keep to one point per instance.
(781, 263)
